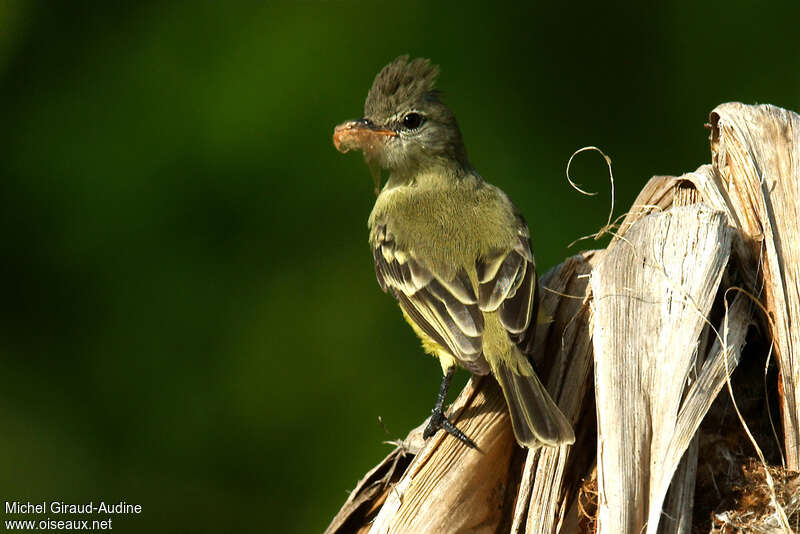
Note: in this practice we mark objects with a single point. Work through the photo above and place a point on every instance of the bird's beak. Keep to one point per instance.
(359, 134)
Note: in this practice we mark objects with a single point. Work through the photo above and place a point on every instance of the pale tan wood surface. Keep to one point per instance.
(756, 154)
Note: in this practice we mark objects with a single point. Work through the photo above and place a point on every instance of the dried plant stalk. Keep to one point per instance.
(651, 296)
(551, 476)
(756, 153)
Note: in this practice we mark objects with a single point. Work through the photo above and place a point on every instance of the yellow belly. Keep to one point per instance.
(431, 347)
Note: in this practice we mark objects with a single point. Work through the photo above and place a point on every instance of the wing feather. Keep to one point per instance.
(445, 309)
(507, 284)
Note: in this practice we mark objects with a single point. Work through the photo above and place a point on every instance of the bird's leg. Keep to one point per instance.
(438, 419)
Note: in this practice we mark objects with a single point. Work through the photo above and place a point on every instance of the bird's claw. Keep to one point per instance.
(439, 421)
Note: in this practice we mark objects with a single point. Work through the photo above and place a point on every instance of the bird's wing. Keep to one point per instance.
(507, 285)
(444, 309)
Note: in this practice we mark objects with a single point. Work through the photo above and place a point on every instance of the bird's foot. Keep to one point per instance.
(439, 421)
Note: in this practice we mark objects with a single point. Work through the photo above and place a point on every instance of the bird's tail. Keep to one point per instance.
(535, 417)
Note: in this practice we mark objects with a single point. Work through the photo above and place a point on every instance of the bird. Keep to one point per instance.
(452, 249)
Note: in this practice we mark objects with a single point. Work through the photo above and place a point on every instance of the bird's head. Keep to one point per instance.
(406, 127)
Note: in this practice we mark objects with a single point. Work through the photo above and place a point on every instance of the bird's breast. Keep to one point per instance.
(447, 229)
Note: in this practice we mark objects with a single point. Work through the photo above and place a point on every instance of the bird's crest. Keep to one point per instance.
(401, 83)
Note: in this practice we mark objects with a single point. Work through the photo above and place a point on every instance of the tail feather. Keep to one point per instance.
(536, 418)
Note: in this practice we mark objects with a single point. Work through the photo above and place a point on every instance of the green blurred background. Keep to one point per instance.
(190, 319)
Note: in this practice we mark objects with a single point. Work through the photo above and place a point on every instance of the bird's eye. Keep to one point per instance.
(412, 121)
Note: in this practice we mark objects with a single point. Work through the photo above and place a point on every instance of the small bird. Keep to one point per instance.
(452, 249)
